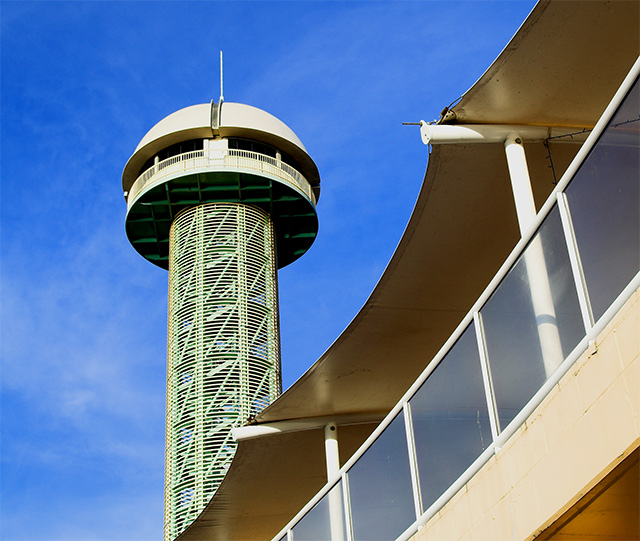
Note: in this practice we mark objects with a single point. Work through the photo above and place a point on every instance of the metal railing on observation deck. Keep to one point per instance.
(221, 158)
(494, 371)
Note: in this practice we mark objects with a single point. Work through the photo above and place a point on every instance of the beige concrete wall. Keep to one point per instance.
(583, 429)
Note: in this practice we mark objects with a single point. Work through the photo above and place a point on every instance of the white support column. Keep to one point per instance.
(512, 136)
(537, 273)
(333, 468)
(331, 450)
(520, 181)
(543, 308)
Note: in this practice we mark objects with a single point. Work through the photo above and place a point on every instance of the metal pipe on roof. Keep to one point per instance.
(296, 425)
(443, 134)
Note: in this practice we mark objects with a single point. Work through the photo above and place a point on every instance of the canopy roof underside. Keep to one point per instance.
(560, 69)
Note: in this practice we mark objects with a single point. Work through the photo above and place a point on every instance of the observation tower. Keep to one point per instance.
(222, 195)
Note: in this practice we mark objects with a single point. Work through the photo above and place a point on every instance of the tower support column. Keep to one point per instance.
(223, 354)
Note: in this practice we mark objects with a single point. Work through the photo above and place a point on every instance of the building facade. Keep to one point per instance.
(489, 388)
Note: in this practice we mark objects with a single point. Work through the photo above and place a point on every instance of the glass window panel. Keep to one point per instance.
(532, 321)
(380, 487)
(604, 199)
(450, 418)
(325, 520)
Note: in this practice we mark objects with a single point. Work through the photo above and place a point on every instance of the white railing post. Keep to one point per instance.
(487, 383)
(576, 263)
(413, 459)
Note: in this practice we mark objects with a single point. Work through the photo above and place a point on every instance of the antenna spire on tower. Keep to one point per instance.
(221, 87)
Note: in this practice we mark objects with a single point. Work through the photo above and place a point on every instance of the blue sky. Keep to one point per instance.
(83, 316)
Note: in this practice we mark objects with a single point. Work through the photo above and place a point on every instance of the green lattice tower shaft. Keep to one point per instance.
(223, 348)
(222, 195)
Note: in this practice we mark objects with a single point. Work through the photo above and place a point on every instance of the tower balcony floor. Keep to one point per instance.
(220, 159)
(216, 176)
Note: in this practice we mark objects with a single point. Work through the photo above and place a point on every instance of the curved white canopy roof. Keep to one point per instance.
(462, 228)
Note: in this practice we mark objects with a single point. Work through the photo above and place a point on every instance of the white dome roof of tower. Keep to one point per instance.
(236, 120)
(234, 115)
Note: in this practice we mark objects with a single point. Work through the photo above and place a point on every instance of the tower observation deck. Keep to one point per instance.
(221, 195)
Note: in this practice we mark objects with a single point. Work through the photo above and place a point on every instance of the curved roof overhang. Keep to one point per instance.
(560, 69)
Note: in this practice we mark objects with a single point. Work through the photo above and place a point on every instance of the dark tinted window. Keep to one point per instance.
(173, 150)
